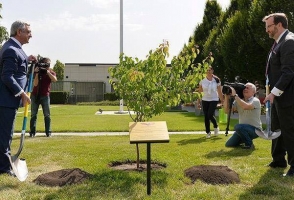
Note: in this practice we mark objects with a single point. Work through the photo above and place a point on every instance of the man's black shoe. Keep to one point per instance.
(252, 147)
(48, 134)
(278, 164)
(290, 172)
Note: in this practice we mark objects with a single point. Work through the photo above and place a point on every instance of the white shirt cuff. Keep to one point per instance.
(277, 92)
(18, 94)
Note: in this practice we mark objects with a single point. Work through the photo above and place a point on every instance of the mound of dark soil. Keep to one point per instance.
(62, 177)
(212, 174)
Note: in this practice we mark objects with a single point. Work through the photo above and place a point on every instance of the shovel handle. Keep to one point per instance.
(26, 110)
(267, 87)
(267, 90)
(30, 86)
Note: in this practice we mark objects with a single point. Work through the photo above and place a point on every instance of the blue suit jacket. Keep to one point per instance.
(13, 72)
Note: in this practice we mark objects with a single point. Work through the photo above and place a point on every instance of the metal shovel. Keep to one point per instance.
(268, 134)
(19, 165)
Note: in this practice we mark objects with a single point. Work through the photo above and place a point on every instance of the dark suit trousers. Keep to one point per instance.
(7, 117)
(283, 118)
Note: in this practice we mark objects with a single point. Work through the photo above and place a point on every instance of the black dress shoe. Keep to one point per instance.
(48, 134)
(290, 172)
(278, 164)
(252, 147)
(32, 134)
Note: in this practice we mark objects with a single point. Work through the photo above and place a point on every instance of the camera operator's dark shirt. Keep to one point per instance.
(44, 86)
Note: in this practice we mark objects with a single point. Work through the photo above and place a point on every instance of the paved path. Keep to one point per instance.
(113, 133)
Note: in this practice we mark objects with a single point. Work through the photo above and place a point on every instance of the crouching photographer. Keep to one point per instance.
(43, 76)
(249, 110)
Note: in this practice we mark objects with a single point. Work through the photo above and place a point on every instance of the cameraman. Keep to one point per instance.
(249, 110)
(41, 95)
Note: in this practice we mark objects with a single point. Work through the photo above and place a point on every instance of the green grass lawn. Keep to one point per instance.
(93, 154)
(72, 118)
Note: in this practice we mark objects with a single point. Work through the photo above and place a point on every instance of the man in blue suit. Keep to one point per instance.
(280, 73)
(13, 82)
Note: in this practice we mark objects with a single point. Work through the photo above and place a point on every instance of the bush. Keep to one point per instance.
(99, 103)
(58, 97)
(110, 96)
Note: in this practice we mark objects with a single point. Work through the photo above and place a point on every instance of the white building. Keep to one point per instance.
(88, 72)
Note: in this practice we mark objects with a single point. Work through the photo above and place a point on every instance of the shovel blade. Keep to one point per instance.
(268, 136)
(20, 169)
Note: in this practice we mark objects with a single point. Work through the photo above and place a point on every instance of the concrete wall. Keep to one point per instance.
(88, 72)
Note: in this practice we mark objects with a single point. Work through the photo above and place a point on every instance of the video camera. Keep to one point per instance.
(42, 67)
(239, 87)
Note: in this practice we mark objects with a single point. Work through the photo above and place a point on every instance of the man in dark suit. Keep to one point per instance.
(13, 82)
(280, 73)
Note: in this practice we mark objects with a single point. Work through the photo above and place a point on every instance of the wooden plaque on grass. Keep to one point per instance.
(148, 132)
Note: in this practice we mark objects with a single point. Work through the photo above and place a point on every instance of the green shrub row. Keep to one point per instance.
(111, 97)
(58, 97)
(61, 97)
(99, 103)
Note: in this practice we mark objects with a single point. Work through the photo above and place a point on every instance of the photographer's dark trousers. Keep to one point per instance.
(209, 110)
(44, 101)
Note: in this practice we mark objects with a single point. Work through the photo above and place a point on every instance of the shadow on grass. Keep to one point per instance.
(198, 140)
(233, 152)
(111, 184)
(271, 186)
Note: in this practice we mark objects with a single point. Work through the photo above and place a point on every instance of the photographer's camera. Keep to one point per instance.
(42, 67)
(239, 87)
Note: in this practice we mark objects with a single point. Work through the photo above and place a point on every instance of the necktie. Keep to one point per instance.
(269, 56)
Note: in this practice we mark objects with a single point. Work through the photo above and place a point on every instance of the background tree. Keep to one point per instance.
(244, 44)
(239, 50)
(59, 70)
(239, 43)
(3, 32)
(211, 45)
(212, 13)
(258, 10)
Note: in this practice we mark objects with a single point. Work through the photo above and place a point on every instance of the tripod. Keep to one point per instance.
(229, 115)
